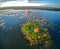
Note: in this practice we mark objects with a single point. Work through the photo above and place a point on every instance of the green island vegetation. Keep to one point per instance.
(35, 33)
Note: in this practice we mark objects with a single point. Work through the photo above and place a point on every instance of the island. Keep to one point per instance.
(35, 33)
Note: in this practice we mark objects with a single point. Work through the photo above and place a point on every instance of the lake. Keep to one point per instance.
(12, 38)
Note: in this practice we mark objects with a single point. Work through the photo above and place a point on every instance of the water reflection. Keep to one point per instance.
(11, 36)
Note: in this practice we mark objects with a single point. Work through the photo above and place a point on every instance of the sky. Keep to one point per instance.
(47, 1)
(37, 2)
(21, 3)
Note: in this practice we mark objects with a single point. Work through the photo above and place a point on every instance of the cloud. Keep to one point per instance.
(20, 3)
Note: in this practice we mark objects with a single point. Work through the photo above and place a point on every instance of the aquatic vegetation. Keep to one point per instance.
(35, 33)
